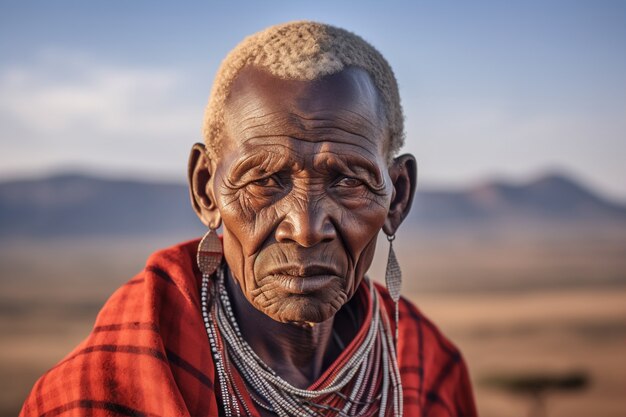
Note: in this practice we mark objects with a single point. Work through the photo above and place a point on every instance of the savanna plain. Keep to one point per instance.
(518, 309)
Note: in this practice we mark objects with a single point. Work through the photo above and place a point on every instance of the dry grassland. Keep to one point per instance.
(511, 308)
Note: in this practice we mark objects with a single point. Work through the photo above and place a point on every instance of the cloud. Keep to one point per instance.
(66, 109)
(68, 93)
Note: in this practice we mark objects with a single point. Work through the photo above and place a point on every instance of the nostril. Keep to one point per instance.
(305, 230)
(328, 231)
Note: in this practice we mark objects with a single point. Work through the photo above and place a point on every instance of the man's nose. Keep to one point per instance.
(307, 223)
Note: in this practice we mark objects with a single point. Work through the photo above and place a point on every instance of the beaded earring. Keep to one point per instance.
(393, 278)
(210, 253)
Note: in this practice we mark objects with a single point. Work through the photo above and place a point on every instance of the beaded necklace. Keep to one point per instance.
(366, 384)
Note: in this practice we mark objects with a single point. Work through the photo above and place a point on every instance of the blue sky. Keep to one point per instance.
(490, 88)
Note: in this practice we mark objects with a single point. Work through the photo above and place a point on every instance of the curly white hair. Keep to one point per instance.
(304, 50)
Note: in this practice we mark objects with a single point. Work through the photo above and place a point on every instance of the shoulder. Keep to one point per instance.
(134, 351)
(434, 373)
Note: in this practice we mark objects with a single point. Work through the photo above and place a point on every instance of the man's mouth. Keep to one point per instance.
(301, 279)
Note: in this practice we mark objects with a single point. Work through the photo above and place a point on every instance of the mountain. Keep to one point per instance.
(552, 199)
(83, 205)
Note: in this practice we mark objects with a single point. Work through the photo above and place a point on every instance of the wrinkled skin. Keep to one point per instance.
(302, 188)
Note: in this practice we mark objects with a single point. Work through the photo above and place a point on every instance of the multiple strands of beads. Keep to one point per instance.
(368, 384)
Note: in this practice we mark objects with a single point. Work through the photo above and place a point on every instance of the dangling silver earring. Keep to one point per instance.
(209, 253)
(393, 279)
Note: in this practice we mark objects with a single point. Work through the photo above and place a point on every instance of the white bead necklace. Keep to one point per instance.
(269, 391)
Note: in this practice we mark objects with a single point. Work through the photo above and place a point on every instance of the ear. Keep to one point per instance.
(403, 173)
(200, 173)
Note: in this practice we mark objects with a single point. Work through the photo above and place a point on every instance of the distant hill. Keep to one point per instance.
(83, 205)
(553, 199)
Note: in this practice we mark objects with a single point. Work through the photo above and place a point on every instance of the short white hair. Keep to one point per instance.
(304, 50)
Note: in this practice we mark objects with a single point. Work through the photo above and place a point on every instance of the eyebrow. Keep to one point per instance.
(352, 164)
(261, 160)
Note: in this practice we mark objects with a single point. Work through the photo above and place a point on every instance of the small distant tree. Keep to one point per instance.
(537, 386)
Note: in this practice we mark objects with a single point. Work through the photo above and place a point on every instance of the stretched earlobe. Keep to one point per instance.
(403, 173)
(200, 175)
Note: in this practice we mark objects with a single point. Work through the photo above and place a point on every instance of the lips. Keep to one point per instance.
(296, 270)
(304, 279)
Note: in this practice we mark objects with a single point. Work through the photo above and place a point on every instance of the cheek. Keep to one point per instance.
(250, 227)
(235, 258)
(361, 229)
(245, 231)
(365, 261)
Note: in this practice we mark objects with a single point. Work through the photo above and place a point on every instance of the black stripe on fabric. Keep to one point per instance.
(433, 395)
(165, 276)
(189, 368)
(138, 350)
(433, 398)
(411, 369)
(420, 350)
(160, 273)
(459, 409)
(118, 409)
(455, 357)
(126, 326)
(420, 354)
(85, 384)
(38, 394)
(442, 343)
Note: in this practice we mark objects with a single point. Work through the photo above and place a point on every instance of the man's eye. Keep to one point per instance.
(266, 182)
(348, 182)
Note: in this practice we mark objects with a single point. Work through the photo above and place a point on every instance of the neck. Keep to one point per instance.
(297, 353)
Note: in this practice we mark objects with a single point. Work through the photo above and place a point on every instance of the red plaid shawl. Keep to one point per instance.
(148, 355)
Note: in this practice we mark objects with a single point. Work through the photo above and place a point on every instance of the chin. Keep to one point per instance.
(303, 309)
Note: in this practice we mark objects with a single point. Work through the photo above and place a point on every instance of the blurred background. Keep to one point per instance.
(515, 247)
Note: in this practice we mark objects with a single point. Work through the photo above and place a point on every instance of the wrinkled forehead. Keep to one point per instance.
(347, 99)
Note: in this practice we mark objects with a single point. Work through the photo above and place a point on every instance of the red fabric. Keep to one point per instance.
(148, 355)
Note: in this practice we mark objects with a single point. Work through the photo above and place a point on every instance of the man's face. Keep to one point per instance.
(303, 189)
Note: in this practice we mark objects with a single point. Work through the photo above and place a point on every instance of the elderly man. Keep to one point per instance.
(277, 317)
